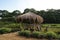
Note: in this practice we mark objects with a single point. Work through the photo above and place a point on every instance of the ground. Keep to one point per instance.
(14, 36)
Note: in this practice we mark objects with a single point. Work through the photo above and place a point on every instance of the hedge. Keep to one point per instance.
(37, 34)
(4, 30)
(25, 33)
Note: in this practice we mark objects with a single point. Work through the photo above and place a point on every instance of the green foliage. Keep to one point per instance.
(26, 10)
(13, 26)
(15, 29)
(4, 30)
(21, 33)
(51, 35)
(38, 34)
(58, 36)
(25, 33)
(50, 16)
(16, 13)
(53, 25)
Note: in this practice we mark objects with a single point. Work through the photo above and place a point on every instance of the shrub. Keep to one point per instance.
(58, 36)
(58, 32)
(38, 34)
(35, 34)
(51, 35)
(53, 25)
(25, 33)
(21, 33)
(15, 29)
(4, 30)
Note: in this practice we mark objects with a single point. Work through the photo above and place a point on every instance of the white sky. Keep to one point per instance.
(44, 4)
(11, 5)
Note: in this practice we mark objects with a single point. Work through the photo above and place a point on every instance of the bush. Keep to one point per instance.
(4, 30)
(58, 36)
(15, 29)
(25, 33)
(38, 34)
(35, 34)
(51, 35)
(53, 25)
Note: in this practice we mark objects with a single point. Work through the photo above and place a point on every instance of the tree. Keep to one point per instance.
(5, 13)
(33, 10)
(16, 12)
(0, 13)
(29, 10)
(26, 10)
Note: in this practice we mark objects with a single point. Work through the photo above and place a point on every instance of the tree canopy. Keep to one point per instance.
(49, 15)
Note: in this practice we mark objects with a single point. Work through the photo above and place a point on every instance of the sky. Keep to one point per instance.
(12, 5)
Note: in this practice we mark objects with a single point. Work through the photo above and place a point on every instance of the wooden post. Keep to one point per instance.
(34, 27)
(39, 27)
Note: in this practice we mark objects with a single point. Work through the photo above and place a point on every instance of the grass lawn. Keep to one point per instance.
(51, 27)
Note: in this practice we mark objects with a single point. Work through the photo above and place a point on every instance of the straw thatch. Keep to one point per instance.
(29, 18)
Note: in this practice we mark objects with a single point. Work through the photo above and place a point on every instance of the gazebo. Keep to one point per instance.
(31, 20)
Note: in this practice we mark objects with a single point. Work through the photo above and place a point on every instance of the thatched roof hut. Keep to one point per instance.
(29, 18)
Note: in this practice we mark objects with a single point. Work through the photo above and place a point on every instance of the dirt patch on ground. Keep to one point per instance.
(14, 36)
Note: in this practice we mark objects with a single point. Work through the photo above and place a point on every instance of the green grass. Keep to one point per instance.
(51, 27)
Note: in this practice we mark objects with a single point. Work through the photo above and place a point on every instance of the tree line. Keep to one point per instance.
(49, 15)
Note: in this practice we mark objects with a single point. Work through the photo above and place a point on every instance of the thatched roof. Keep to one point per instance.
(29, 18)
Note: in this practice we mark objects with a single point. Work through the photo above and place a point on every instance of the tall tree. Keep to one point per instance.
(33, 10)
(26, 10)
(0, 13)
(16, 12)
